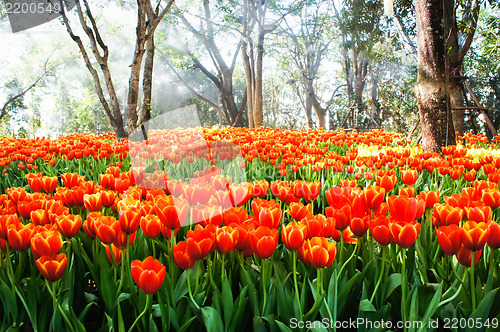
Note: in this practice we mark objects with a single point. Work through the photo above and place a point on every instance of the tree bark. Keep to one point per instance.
(431, 88)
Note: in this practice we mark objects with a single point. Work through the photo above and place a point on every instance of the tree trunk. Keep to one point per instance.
(432, 99)
(257, 100)
(309, 104)
(135, 71)
(456, 99)
(250, 83)
(147, 82)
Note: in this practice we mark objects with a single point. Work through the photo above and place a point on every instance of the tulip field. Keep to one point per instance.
(234, 229)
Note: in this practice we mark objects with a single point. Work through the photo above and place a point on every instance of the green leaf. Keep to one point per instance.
(8, 298)
(366, 305)
(283, 327)
(433, 305)
(227, 301)
(212, 319)
(181, 288)
(107, 286)
(484, 307)
(393, 282)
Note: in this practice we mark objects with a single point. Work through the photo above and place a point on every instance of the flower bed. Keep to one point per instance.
(231, 229)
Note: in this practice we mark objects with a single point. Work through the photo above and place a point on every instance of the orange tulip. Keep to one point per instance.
(318, 252)
(19, 236)
(293, 235)
(172, 211)
(200, 242)
(92, 202)
(69, 224)
(387, 182)
(46, 243)
(148, 274)
(49, 184)
(409, 177)
(402, 208)
(475, 235)
(449, 238)
(181, 256)
(379, 228)
(151, 225)
(445, 214)
(298, 211)
(404, 233)
(263, 241)
(52, 267)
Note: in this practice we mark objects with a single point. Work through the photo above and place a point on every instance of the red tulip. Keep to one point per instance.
(293, 235)
(267, 213)
(387, 182)
(226, 239)
(39, 217)
(404, 233)
(445, 214)
(374, 196)
(92, 202)
(129, 220)
(298, 211)
(264, 241)
(5, 221)
(359, 226)
(108, 198)
(494, 237)
(379, 228)
(259, 188)
(318, 251)
(200, 242)
(35, 181)
(49, 184)
(430, 198)
(464, 256)
(106, 229)
(117, 254)
(19, 236)
(409, 177)
(52, 268)
(491, 197)
(181, 256)
(402, 208)
(240, 193)
(311, 190)
(475, 235)
(172, 211)
(319, 225)
(46, 243)
(342, 217)
(151, 225)
(479, 214)
(449, 238)
(148, 274)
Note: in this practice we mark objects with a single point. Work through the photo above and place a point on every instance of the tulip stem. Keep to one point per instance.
(56, 304)
(319, 294)
(190, 291)
(472, 284)
(350, 258)
(297, 298)
(146, 308)
(381, 275)
(404, 288)
(264, 285)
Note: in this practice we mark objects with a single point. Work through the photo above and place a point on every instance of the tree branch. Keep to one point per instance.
(470, 35)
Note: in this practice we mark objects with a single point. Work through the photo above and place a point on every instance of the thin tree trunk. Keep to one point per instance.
(432, 98)
(147, 82)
